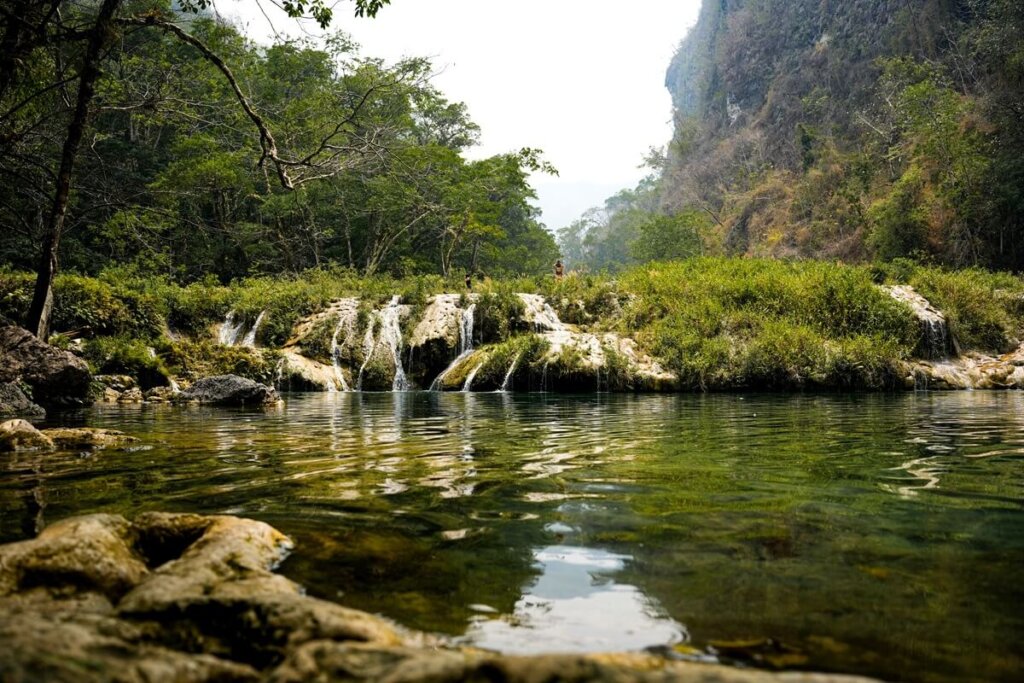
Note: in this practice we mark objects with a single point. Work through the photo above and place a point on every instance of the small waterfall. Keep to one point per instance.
(465, 346)
(230, 329)
(389, 319)
(937, 342)
(339, 376)
(391, 334)
(507, 382)
(175, 388)
(250, 337)
(466, 329)
(369, 347)
(468, 386)
(279, 374)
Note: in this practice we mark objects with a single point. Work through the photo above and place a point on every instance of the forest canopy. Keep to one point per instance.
(186, 149)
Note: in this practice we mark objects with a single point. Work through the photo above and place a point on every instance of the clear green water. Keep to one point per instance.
(881, 535)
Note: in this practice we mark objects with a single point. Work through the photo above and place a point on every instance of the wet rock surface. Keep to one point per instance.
(56, 377)
(88, 438)
(969, 371)
(181, 597)
(19, 435)
(229, 390)
(13, 401)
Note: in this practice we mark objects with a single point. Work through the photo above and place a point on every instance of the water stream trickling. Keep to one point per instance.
(468, 386)
(341, 384)
(230, 329)
(250, 337)
(389, 322)
(465, 346)
(507, 382)
(391, 334)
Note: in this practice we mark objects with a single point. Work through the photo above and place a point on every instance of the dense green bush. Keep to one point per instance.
(723, 323)
(127, 356)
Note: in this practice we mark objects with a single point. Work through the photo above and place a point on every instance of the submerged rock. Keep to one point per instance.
(13, 401)
(88, 438)
(179, 597)
(19, 435)
(229, 390)
(56, 377)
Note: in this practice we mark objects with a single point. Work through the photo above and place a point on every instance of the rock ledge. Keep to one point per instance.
(179, 597)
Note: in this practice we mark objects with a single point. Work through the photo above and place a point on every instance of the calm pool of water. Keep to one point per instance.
(881, 535)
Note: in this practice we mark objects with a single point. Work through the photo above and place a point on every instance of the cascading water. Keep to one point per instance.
(507, 382)
(279, 374)
(230, 329)
(465, 345)
(468, 386)
(369, 347)
(341, 385)
(937, 340)
(391, 334)
(389, 321)
(250, 337)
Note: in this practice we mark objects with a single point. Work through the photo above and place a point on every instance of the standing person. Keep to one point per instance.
(469, 281)
(559, 270)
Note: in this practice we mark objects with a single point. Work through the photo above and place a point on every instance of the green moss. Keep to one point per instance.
(317, 344)
(124, 356)
(195, 359)
(499, 312)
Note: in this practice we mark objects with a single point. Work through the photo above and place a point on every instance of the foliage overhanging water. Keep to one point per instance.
(881, 535)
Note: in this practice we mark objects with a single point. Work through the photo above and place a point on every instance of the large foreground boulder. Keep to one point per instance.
(13, 401)
(229, 390)
(188, 598)
(56, 377)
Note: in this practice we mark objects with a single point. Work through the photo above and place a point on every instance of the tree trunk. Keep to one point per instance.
(42, 299)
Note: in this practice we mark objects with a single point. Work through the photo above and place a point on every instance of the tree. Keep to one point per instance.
(79, 38)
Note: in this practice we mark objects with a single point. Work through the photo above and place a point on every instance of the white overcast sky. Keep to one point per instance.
(581, 79)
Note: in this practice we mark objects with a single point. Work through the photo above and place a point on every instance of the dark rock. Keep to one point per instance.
(13, 401)
(118, 383)
(56, 377)
(229, 390)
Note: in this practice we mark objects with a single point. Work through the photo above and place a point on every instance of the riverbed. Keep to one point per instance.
(872, 534)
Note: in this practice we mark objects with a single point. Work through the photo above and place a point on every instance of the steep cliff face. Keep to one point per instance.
(852, 129)
(769, 66)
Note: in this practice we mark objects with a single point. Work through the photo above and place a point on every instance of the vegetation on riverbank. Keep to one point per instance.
(716, 323)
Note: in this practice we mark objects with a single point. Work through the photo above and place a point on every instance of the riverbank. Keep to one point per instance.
(703, 324)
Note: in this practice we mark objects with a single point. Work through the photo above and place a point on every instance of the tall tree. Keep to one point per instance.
(31, 30)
